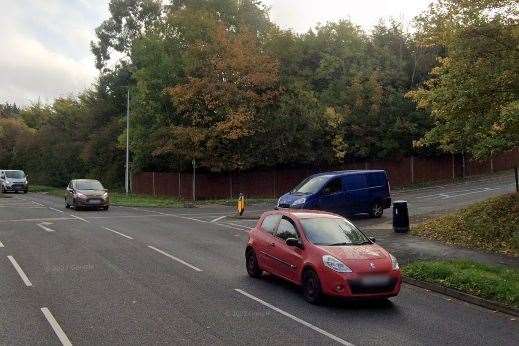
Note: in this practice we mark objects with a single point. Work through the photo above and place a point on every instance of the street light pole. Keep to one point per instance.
(126, 177)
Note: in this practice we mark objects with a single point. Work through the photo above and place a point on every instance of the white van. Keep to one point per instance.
(13, 181)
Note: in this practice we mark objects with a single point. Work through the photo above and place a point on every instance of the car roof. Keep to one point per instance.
(306, 213)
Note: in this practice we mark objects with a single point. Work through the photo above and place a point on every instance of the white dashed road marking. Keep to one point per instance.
(297, 319)
(123, 235)
(219, 218)
(56, 327)
(176, 259)
(79, 218)
(44, 225)
(19, 271)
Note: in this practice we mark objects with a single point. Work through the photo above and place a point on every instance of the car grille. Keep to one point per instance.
(357, 287)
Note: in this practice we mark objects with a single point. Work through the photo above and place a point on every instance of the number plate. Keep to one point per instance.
(375, 280)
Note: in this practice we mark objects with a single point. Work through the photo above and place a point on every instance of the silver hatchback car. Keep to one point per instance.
(86, 193)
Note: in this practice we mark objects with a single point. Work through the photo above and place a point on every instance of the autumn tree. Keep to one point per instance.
(473, 94)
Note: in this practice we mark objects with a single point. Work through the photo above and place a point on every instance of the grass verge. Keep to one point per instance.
(491, 225)
(494, 283)
(117, 198)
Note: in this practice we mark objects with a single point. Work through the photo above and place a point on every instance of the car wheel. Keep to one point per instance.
(312, 287)
(376, 210)
(253, 268)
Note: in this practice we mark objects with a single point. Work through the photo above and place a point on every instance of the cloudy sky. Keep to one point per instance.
(44, 44)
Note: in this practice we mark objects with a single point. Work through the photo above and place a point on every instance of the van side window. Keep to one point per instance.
(286, 229)
(333, 186)
(270, 222)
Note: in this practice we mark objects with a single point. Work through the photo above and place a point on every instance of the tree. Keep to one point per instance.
(473, 93)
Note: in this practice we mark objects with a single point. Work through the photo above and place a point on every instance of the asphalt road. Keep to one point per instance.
(177, 276)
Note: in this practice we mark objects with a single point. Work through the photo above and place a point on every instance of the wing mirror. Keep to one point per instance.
(293, 242)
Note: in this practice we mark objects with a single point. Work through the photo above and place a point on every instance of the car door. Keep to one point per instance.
(287, 260)
(264, 239)
(332, 197)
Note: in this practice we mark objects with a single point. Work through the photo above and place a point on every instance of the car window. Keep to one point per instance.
(286, 230)
(270, 222)
(311, 185)
(333, 231)
(89, 185)
(334, 186)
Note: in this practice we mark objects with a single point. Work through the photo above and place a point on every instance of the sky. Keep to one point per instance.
(45, 44)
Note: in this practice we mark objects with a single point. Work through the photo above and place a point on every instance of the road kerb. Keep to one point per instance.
(468, 298)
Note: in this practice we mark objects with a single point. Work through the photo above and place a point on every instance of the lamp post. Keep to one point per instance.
(127, 170)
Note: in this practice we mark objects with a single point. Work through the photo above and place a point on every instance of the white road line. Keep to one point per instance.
(79, 218)
(44, 225)
(1, 245)
(176, 259)
(123, 235)
(470, 193)
(55, 326)
(41, 205)
(59, 211)
(39, 219)
(219, 218)
(20, 271)
(297, 319)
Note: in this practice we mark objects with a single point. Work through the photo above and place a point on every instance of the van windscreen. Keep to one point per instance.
(312, 184)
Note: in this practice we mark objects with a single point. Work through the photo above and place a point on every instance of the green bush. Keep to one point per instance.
(491, 225)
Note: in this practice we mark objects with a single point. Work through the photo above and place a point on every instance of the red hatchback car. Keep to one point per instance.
(324, 253)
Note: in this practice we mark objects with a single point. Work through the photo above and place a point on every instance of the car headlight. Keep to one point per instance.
(335, 265)
(394, 262)
(299, 201)
(80, 195)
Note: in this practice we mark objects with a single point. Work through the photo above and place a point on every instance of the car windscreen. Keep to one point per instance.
(15, 174)
(89, 185)
(333, 231)
(312, 185)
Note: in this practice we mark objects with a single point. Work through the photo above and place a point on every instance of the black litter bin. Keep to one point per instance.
(400, 217)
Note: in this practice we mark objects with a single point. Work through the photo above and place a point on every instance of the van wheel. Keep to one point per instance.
(376, 210)
(312, 287)
(253, 268)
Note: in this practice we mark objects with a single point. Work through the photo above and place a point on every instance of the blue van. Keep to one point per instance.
(343, 193)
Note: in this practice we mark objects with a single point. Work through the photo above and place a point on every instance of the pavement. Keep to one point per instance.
(177, 276)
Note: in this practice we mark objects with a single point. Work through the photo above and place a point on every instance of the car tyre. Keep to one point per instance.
(376, 210)
(251, 262)
(312, 291)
